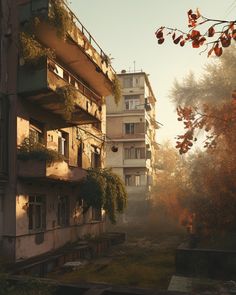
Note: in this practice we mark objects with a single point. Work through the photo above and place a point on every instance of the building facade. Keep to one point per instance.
(131, 132)
(53, 81)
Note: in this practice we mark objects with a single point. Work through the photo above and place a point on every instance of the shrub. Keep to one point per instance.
(29, 150)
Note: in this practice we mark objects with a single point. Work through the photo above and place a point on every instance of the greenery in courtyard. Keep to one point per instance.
(24, 287)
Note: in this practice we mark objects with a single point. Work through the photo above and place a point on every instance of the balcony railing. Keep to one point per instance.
(68, 77)
(41, 87)
(86, 33)
(80, 50)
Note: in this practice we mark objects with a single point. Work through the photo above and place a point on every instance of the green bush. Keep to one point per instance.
(102, 188)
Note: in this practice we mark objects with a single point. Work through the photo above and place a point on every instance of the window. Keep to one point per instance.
(132, 102)
(37, 213)
(129, 128)
(135, 153)
(132, 180)
(95, 157)
(80, 155)
(63, 211)
(137, 180)
(133, 128)
(96, 214)
(36, 134)
(128, 179)
(128, 82)
(63, 143)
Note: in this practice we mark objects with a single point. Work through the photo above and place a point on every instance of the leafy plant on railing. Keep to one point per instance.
(32, 52)
(116, 89)
(31, 150)
(67, 95)
(102, 188)
(60, 18)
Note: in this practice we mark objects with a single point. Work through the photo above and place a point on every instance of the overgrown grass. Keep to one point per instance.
(146, 260)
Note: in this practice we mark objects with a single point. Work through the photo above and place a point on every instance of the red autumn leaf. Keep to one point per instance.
(159, 34)
(211, 32)
(195, 34)
(190, 12)
(202, 40)
(182, 43)
(234, 35)
(195, 44)
(176, 41)
(173, 36)
(194, 16)
(225, 42)
(161, 40)
(218, 50)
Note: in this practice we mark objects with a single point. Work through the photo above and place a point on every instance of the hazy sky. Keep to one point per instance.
(125, 29)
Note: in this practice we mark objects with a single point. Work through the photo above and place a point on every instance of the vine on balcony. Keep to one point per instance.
(67, 95)
(60, 18)
(32, 52)
(102, 188)
(116, 89)
(31, 150)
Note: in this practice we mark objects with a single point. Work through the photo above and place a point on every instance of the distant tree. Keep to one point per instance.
(212, 183)
(208, 103)
(215, 34)
(172, 183)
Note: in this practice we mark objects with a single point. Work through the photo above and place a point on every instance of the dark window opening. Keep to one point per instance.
(63, 211)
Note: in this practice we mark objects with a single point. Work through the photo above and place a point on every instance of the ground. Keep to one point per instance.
(146, 259)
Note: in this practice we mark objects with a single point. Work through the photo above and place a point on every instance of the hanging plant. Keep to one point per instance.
(30, 150)
(102, 188)
(60, 18)
(67, 96)
(116, 89)
(32, 52)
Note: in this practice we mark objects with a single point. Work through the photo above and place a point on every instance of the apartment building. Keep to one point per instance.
(131, 132)
(54, 77)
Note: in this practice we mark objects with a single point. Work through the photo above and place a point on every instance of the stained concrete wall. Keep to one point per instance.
(55, 235)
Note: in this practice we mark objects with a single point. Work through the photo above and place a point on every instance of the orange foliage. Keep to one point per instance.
(219, 120)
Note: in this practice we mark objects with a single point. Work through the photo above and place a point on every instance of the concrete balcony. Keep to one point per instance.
(79, 49)
(41, 86)
(41, 170)
(135, 163)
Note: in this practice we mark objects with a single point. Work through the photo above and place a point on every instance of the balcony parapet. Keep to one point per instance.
(57, 171)
(42, 86)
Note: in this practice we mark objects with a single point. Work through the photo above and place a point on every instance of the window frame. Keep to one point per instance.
(33, 205)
